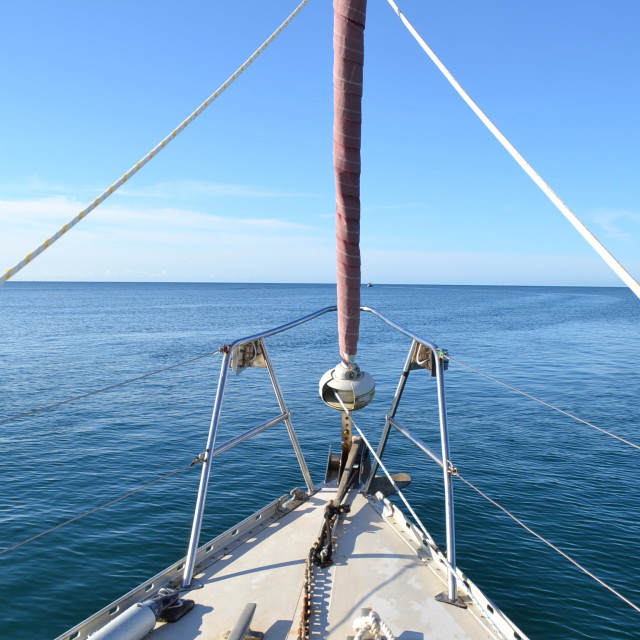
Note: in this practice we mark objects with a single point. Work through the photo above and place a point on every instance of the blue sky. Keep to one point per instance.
(246, 192)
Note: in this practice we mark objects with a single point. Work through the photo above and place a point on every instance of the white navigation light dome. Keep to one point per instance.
(356, 388)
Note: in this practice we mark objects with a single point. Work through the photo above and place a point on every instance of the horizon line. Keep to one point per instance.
(363, 284)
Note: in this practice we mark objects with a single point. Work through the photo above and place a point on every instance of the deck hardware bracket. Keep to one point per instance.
(443, 597)
(192, 587)
(347, 439)
(298, 494)
(248, 354)
(425, 358)
(176, 611)
(201, 457)
(292, 500)
(332, 471)
(434, 547)
(382, 506)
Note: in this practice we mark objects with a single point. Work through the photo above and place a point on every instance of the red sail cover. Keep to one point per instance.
(348, 48)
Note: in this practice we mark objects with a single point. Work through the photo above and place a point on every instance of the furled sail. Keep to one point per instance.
(346, 387)
(348, 47)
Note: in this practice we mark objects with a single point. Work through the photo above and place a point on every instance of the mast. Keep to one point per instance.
(348, 48)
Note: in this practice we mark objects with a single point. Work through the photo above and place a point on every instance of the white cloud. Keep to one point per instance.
(119, 242)
(36, 211)
(124, 242)
(34, 185)
(56, 210)
(198, 188)
(612, 222)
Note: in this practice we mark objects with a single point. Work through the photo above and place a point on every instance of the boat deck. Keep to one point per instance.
(378, 563)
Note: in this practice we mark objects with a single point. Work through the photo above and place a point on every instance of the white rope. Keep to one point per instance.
(550, 544)
(617, 268)
(546, 404)
(159, 147)
(371, 626)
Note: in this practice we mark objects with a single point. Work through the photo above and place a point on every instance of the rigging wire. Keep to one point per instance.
(159, 147)
(392, 481)
(456, 473)
(546, 404)
(102, 506)
(381, 464)
(109, 388)
(550, 544)
(580, 227)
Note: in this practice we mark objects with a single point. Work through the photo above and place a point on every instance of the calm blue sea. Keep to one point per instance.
(578, 348)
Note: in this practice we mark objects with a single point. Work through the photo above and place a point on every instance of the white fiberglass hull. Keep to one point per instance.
(380, 562)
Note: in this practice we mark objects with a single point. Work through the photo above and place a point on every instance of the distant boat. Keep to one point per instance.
(369, 284)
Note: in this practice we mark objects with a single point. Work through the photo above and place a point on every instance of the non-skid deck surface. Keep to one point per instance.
(373, 567)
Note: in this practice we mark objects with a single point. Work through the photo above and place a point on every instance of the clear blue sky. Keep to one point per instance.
(246, 193)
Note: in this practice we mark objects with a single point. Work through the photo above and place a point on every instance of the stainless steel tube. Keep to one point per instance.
(448, 489)
(247, 435)
(392, 412)
(399, 328)
(421, 445)
(283, 327)
(206, 472)
(283, 407)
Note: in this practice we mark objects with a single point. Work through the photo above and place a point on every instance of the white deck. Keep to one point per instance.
(375, 565)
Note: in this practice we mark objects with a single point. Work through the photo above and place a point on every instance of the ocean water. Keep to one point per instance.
(577, 348)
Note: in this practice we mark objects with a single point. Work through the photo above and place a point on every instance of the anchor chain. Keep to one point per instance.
(320, 555)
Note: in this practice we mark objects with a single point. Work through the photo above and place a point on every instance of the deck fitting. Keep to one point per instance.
(443, 597)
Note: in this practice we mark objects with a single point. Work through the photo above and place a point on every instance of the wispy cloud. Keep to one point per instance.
(199, 188)
(57, 210)
(35, 203)
(612, 222)
(36, 187)
(36, 211)
(126, 240)
(381, 207)
(394, 207)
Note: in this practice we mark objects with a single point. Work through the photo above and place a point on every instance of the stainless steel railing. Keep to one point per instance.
(285, 416)
(437, 359)
(438, 363)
